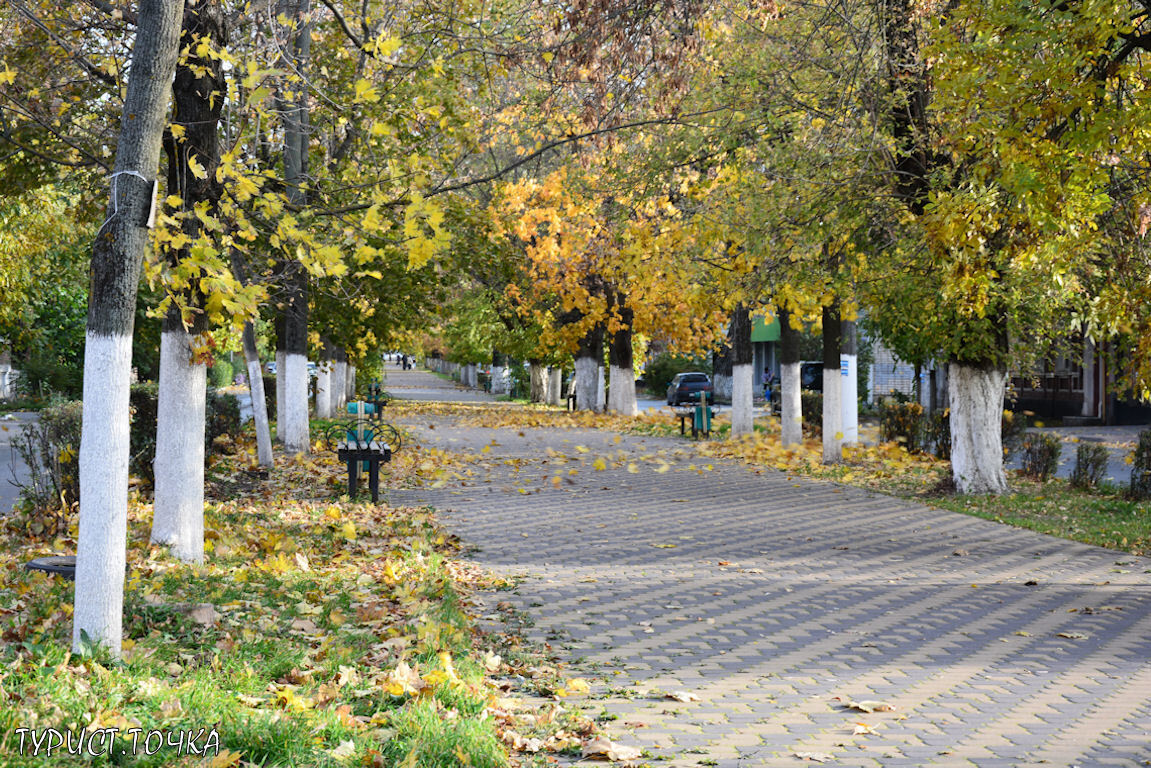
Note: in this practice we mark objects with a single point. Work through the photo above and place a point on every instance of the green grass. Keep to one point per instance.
(1104, 517)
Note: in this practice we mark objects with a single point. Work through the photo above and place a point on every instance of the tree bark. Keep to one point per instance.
(116, 256)
(350, 392)
(555, 385)
(339, 382)
(742, 375)
(587, 369)
(622, 362)
(976, 396)
(259, 402)
(324, 382)
(539, 381)
(849, 378)
(1088, 408)
(791, 402)
(293, 108)
(832, 387)
(178, 500)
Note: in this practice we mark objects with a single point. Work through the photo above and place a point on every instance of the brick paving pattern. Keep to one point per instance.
(774, 599)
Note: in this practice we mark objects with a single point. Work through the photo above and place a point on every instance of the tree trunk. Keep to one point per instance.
(339, 382)
(350, 393)
(292, 104)
(539, 381)
(555, 385)
(178, 501)
(622, 362)
(587, 369)
(976, 395)
(281, 388)
(259, 402)
(832, 387)
(791, 404)
(1088, 408)
(849, 378)
(742, 375)
(324, 382)
(721, 370)
(116, 256)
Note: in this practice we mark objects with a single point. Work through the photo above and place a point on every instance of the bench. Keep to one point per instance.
(370, 453)
(363, 446)
(698, 426)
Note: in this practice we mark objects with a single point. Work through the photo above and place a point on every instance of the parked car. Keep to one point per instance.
(270, 367)
(685, 388)
(811, 376)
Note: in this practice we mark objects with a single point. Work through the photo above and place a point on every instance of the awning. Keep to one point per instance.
(761, 330)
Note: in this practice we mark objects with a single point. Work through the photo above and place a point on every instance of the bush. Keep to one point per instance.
(903, 423)
(1141, 467)
(1013, 427)
(1090, 465)
(811, 405)
(51, 450)
(221, 417)
(662, 368)
(44, 376)
(1041, 455)
(221, 373)
(939, 433)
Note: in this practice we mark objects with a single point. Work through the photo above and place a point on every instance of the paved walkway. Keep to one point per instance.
(776, 600)
(12, 467)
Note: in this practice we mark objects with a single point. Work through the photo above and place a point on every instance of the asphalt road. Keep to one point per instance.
(12, 469)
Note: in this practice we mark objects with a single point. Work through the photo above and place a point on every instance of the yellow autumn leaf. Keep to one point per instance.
(599, 464)
(197, 169)
(348, 531)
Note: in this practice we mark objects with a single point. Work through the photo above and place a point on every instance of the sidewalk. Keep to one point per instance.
(774, 601)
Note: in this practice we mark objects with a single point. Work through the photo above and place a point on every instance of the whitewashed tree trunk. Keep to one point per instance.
(539, 382)
(601, 389)
(178, 501)
(1088, 408)
(259, 403)
(117, 253)
(499, 380)
(849, 399)
(295, 431)
(832, 416)
(281, 394)
(586, 383)
(351, 391)
(324, 389)
(339, 387)
(722, 387)
(791, 405)
(555, 385)
(742, 399)
(622, 399)
(976, 396)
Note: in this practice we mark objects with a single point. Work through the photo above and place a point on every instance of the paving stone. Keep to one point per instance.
(776, 640)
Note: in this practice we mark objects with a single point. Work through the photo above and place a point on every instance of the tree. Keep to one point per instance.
(116, 257)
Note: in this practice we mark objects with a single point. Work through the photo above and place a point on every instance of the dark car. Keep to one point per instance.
(685, 388)
(811, 376)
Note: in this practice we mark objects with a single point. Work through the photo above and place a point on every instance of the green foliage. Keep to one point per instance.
(939, 433)
(662, 368)
(221, 373)
(1012, 429)
(1141, 467)
(221, 418)
(1041, 455)
(43, 375)
(811, 404)
(1090, 465)
(51, 450)
(903, 423)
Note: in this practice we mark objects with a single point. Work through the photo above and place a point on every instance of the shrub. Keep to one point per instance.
(1141, 467)
(939, 433)
(221, 417)
(662, 368)
(1041, 455)
(51, 450)
(1012, 429)
(811, 405)
(221, 373)
(903, 423)
(1090, 465)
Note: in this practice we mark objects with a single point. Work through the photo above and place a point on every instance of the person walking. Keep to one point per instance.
(768, 382)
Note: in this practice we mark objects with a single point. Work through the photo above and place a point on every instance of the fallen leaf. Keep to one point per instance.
(602, 748)
(816, 757)
(870, 706)
(862, 729)
(1072, 635)
(684, 696)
